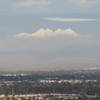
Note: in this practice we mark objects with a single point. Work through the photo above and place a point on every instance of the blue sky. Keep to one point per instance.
(49, 34)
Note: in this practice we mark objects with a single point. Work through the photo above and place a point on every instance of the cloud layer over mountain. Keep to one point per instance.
(46, 32)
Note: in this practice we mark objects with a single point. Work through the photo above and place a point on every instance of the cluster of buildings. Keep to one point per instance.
(51, 96)
(40, 97)
(66, 81)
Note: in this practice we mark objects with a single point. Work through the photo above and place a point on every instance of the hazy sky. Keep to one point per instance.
(47, 34)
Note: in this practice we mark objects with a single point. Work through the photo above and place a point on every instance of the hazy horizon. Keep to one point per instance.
(49, 34)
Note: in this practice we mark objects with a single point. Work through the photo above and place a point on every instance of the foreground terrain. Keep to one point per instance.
(58, 85)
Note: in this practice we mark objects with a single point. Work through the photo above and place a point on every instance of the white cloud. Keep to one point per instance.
(46, 32)
(70, 19)
(85, 1)
(32, 2)
(25, 35)
(89, 1)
